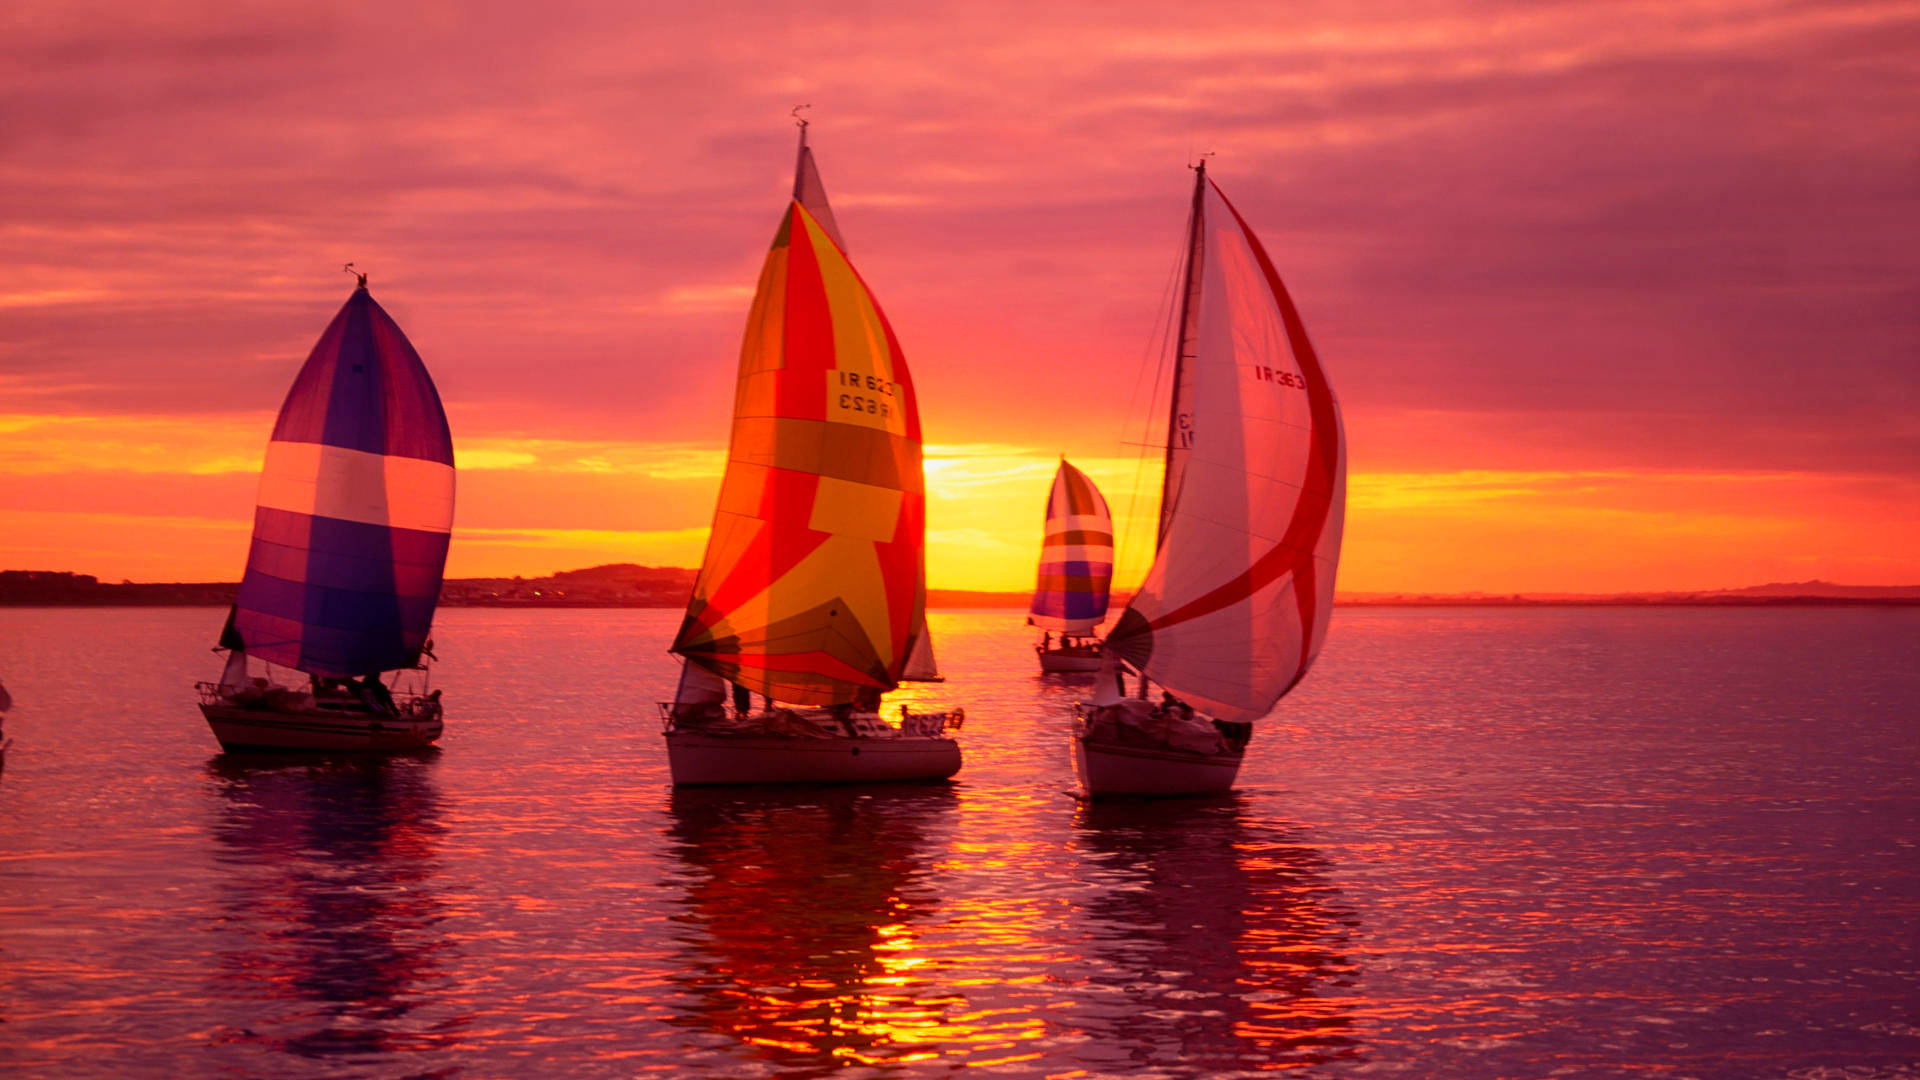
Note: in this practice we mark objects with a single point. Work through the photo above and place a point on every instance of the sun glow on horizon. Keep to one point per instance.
(169, 499)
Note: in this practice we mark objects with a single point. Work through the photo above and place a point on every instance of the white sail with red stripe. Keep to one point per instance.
(1237, 603)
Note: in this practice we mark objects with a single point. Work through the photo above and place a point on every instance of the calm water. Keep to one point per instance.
(1481, 843)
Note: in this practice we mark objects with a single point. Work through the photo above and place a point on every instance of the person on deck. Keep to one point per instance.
(374, 693)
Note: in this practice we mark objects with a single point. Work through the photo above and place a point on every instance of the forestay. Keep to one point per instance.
(1237, 603)
(1076, 556)
(355, 509)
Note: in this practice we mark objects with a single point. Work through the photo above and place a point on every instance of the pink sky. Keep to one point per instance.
(1615, 296)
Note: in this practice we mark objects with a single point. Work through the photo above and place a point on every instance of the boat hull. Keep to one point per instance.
(1109, 768)
(1060, 662)
(241, 728)
(695, 758)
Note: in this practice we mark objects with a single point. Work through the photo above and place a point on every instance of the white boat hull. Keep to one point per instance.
(695, 758)
(1058, 662)
(1108, 768)
(241, 728)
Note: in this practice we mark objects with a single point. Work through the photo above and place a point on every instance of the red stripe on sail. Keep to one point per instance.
(802, 395)
(1294, 553)
(788, 496)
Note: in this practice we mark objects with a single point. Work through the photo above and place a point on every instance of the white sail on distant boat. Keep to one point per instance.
(1237, 603)
(1076, 573)
(812, 593)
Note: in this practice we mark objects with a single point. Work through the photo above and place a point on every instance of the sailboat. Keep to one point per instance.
(1076, 572)
(349, 544)
(1253, 502)
(812, 593)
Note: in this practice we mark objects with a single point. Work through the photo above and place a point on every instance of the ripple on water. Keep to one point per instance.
(1473, 844)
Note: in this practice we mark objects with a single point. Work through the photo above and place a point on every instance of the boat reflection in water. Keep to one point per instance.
(1221, 936)
(801, 908)
(326, 871)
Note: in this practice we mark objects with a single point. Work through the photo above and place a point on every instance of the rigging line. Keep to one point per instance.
(1148, 352)
(1157, 352)
(1239, 470)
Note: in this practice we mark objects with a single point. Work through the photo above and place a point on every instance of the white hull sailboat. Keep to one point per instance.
(1076, 574)
(1114, 762)
(812, 593)
(349, 545)
(1237, 604)
(703, 757)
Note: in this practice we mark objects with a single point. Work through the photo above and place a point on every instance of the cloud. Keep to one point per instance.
(1525, 237)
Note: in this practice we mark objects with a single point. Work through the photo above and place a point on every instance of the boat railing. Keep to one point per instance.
(920, 725)
(281, 698)
(929, 725)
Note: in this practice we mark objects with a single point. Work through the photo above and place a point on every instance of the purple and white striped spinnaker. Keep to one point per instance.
(1076, 556)
(355, 510)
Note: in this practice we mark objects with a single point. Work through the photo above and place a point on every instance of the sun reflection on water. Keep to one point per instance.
(800, 910)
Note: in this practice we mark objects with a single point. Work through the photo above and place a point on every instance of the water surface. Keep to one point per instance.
(1474, 843)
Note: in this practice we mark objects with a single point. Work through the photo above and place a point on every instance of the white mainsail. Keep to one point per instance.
(1236, 605)
(698, 686)
(921, 666)
(809, 192)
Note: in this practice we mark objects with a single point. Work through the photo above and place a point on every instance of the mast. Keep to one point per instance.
(1189, 285)
(800, 156)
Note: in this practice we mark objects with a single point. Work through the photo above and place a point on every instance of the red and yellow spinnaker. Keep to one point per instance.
(813, 585)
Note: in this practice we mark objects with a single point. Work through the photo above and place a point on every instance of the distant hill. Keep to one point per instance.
(613, 585)
(631, 585)
(1829, 589)
(57, 588)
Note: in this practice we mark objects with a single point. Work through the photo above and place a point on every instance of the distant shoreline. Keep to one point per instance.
(627, 586)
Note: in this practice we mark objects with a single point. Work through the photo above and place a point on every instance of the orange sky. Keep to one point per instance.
(1615, 297)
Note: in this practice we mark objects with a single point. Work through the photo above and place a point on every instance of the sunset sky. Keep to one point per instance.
(1615, 296)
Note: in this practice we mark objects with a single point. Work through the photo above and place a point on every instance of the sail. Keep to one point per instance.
(810, 193)
(698, 686)
(355, 509)
(1076, 557)
(1236, 605)
(812, 587)
(921, 665)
